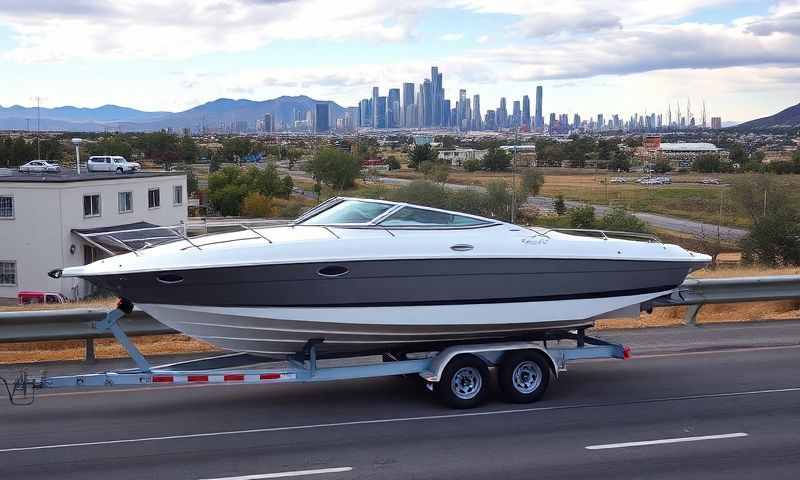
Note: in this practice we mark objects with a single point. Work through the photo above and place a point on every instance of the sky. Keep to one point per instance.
(742, 57)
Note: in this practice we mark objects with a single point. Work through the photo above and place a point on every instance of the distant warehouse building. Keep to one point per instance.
(59, 220)
(457, 157)
(681, 156)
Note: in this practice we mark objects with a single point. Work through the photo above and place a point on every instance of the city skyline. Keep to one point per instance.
(741, 56)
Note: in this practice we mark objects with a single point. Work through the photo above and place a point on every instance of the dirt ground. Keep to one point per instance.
(173, 344)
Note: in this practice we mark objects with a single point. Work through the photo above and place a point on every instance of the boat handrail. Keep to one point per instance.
(605, 234)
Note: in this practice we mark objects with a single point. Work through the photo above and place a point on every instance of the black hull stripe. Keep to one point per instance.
(481, 301)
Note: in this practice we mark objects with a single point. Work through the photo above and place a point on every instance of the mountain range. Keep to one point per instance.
(788, 118)
(113, 117)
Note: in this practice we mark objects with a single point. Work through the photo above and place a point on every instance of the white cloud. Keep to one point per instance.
(483, 39)
(452, 37)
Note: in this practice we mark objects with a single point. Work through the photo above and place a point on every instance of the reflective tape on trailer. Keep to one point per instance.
(222, 378)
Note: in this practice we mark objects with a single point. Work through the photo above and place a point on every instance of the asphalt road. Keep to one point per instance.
(728, 408)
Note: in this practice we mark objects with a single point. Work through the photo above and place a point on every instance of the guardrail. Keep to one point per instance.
(78, 324)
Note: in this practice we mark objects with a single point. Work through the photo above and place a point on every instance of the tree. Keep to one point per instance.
(293, 155)
(581, 217)
(188, 151)
(393, 163)
(709, 163)
(662, 166)
(191, 181)
(559, 206)
(737, 154)
(498, 200)
(334, 168)
(620, 162)
(112, 145)
(619, 220)
(759, 194)
(161, 147)
(472, 165)
(496, 160)
(421, 192)
(257, 205)
(774, 240)
(420, 154)
(228, 187)
(532, 181)
(288, 185)
(435, 172)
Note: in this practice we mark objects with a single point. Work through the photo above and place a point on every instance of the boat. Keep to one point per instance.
(359, 276)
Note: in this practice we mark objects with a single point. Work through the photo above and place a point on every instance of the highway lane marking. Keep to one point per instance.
(296, 473)
(221, 385)
(664, 441)
(379, 421)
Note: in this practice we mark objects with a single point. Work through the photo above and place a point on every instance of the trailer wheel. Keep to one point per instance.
(523, 376)
(464, 382)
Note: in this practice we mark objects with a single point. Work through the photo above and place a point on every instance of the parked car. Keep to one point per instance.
(108, 163)
(39, 166)
(27, 297)
(618, 180)
(710, 181)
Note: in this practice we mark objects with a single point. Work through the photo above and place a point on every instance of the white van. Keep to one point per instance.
(108, 163)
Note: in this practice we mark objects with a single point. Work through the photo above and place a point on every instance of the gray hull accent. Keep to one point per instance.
(398, 282)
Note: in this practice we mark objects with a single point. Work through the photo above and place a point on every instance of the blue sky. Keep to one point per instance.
(741, 56)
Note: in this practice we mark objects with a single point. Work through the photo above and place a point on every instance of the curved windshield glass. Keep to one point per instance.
(415, 217)
(348, 211)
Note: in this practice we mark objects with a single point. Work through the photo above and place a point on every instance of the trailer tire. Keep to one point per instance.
(464, 382)
(523, 376)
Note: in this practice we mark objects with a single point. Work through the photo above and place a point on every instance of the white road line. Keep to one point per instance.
(297, 473)
(399, 420)
(666, 441)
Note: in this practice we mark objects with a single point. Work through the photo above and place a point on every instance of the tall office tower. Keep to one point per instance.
(502, 114)
(526, 112)
(380, 113)
(600, 122)
(716, 123)
(445, 122)
(539, 120)
(516, 118)
(454, 117)
(393, 108)
(659, 121)
(365, 113)
(576, 121)
(489, 123)
(476, 112)
(408, 104)
(436, 103)
(322, 120)
(653, 120)
(615, 122)
(466, 121)
(461, 108)
(269, 125)
(375, 107)
(444, 115)
(427, 89)
(552, 124)
(420, 106)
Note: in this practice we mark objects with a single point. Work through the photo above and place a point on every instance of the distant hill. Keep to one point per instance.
(112, 117)
(785, 119)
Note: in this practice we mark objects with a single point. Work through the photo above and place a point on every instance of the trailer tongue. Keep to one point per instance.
(458, 374)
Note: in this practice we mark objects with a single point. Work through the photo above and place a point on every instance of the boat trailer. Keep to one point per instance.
(458, 374)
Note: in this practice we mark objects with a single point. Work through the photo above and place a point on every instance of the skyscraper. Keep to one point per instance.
(365, 113)
(576, 121)
(517, 116)
(269, 127)
(526, 112)
(461, 108)
(393, 108)
(374, 107)
(501, 115)
(600, 122)
(539, 119)
(436, 102)
(552, 124)
(427, 98)
(408, 105)
(476, 112)
(446, 113)
(380, 113)
(322, 121)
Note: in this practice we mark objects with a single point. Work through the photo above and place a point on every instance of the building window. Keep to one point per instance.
(177, 195)
(91, 254)
(8, 273)
(125, 202)
(153, 198)
(6, 206)
(91, 205)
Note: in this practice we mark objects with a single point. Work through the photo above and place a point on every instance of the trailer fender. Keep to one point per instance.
(491, 353)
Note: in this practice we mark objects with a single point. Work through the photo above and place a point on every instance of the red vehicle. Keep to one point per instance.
(27, 297)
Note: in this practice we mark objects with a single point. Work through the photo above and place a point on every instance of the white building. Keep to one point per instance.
(457, 157)
(41, 219)
(681, 156)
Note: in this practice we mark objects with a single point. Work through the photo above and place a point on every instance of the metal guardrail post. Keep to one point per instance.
(90, 356)
(691, 314)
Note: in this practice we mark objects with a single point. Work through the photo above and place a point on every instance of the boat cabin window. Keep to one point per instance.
(416, 217)
(348, 212)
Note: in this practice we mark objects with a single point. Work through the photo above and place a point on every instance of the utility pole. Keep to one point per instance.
(38, 118)
(513, 176)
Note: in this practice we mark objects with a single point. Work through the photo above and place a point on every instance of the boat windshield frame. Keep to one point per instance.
(376, 223)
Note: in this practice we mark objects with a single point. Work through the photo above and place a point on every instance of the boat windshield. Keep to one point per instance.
(349, 212)
(416, 217)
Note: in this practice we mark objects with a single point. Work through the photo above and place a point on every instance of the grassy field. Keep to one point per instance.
(173, 344)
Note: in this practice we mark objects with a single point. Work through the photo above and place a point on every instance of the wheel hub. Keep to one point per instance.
(527, 377)
(466, 383)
